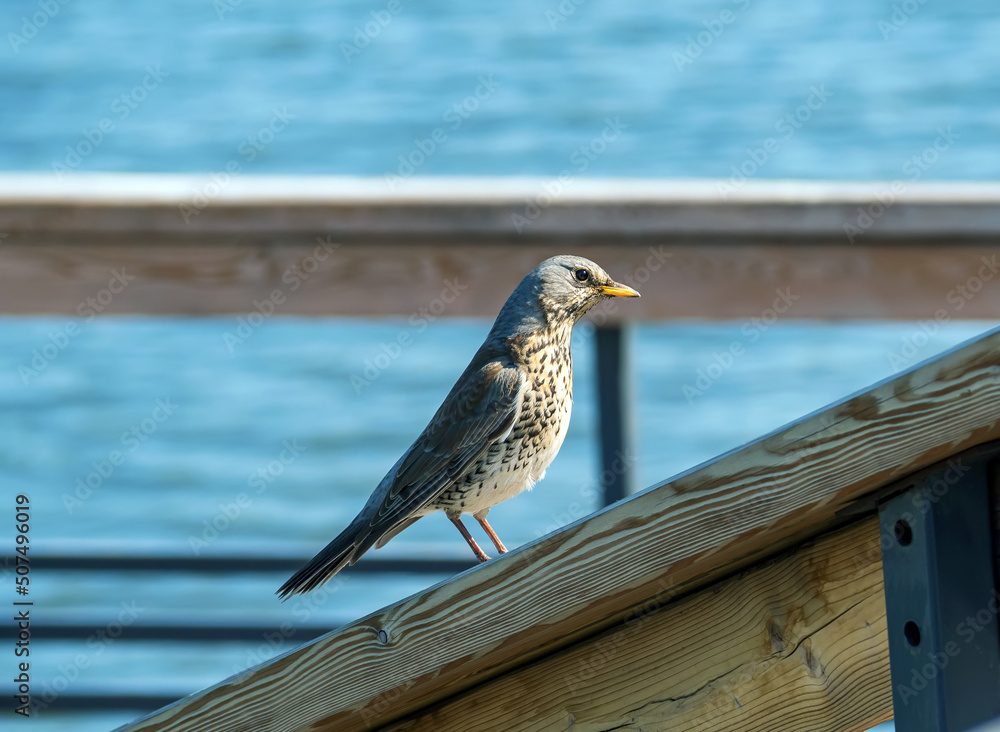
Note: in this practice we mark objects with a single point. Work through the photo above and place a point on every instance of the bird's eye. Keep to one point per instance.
(581, 275)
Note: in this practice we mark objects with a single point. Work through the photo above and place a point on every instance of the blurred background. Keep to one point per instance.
(189, 86)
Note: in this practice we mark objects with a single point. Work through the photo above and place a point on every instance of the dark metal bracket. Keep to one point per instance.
(940, 595)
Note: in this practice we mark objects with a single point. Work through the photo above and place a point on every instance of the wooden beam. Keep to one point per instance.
(353, 246)
(797, 644)
(434, 205)
(661, 544)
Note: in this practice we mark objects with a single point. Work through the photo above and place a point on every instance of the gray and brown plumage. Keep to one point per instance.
(498, 429)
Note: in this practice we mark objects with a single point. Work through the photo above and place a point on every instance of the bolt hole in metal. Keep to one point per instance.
(912, 632)
(904, 533)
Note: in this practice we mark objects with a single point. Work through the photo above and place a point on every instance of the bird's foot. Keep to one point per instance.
(480, 554)
(492, 534)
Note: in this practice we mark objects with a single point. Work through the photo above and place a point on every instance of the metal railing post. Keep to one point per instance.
(940, 596)
(615, 418)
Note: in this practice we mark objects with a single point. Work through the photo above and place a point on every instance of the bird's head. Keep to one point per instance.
(560, 290)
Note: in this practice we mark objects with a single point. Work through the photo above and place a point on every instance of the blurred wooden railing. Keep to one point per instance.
(352, 246)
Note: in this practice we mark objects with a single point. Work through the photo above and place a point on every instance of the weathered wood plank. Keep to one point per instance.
(472, 280)
(797, 644)
(664, 542)
(343, 246)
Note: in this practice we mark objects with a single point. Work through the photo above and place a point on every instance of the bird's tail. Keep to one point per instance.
(334, 557)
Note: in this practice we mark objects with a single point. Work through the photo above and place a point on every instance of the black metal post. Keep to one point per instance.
(941, 598)
(614, 392)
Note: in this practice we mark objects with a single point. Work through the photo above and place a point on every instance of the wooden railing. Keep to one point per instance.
(351, 246)
(744, 594)
(261, 247)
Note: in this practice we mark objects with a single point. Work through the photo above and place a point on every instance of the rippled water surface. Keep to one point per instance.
(769, 89)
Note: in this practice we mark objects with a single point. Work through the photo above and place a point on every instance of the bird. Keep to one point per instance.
(496, 432)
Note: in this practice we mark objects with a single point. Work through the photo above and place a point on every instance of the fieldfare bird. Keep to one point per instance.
(498, 429)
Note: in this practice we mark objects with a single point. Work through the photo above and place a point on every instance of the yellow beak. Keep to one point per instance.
(617, 290)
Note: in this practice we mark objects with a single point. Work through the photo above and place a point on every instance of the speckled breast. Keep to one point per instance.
(518, 462)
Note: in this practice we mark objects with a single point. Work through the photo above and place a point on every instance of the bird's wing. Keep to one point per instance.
(481, 410)
(480, 413)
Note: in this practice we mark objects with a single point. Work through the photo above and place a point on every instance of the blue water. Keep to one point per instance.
(217, 82)
(847, 90)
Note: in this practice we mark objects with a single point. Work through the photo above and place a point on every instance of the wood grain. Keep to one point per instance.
(797, 644)
(472, 279)
(691, 252)
(653, 547)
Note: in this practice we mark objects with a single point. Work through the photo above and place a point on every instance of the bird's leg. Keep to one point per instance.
(480, 554)
(481, 518)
